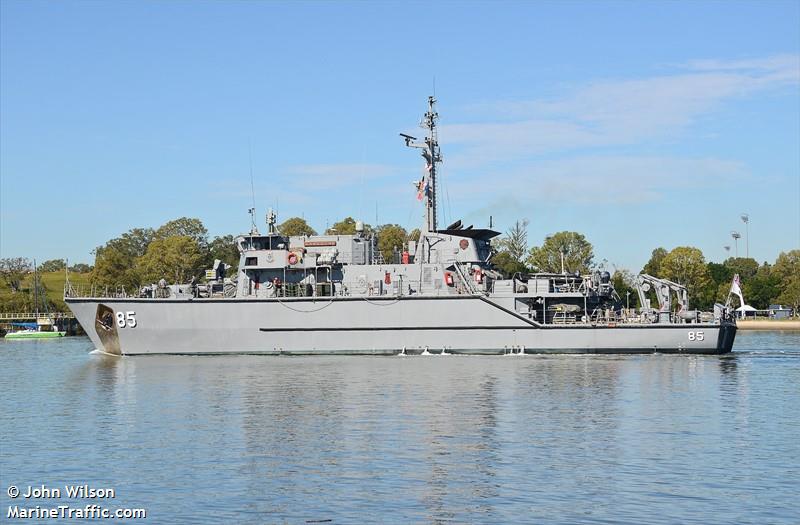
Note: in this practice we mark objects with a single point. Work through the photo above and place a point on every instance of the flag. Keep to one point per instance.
(420, 189)
(735, 286)
(736, 290)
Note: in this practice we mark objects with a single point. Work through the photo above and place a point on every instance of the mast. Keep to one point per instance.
(36, 293)
(432, 155)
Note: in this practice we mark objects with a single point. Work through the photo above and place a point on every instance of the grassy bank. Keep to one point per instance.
(53, 282)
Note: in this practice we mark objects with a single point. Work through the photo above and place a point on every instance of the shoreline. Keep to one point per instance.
(766, 324)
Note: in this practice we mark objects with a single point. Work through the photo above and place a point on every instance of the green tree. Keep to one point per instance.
(296, 226)
(515, 242)
(176, 258)
(346, 226)
(577, 251)
(787, 271)
(624, 285)
(745, 267)
(721, 293)
(80, 268)
(115, 262)
(391, 237)
(13, 270)
(687, 266)
(760, 289)
(653, 266)
(720, 276)
(506, 264)
(414, 235)
(135, 241)
(225, 249)
(184, 227)
(17, 302)
(119, 261)
(719, 273)
(53, 265)
(114, 267)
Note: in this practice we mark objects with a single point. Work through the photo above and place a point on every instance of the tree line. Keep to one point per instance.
(707, 282)
(181, 249)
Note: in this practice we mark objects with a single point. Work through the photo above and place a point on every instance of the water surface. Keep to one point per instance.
(427, 439)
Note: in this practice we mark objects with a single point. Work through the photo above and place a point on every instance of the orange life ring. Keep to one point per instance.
(292, 258)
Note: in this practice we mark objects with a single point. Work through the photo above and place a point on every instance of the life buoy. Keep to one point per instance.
(293, 258)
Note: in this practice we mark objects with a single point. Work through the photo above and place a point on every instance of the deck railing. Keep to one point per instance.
(10, 316)
(87, 290)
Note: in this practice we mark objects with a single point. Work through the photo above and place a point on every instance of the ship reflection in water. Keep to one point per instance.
(551, 439)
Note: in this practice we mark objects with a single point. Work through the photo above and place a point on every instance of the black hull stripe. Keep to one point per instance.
(511, 312)
(494, 327)
(391, 328)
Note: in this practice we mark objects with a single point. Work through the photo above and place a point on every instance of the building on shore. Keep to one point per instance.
(780, 311)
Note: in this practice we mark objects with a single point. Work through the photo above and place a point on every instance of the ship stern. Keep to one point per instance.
(727, 333)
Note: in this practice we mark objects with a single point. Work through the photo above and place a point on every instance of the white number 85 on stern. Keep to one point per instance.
(696, 336)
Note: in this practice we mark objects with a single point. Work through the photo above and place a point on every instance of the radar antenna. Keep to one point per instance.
(272, 220)
(432, 155)
(253, 229)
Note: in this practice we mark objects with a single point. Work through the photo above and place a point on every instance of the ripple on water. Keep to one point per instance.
(550, 439)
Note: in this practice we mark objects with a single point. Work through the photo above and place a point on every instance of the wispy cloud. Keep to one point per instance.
(327, 176)
(610, 179)
(578, 148)
(614, 113)
(785, 64)
(302, 185)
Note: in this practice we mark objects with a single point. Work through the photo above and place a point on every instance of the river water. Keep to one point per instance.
(426, 439)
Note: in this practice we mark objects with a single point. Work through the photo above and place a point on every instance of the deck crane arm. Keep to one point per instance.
(663, 289)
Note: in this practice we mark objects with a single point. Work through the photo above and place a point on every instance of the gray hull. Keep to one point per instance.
(375, 326)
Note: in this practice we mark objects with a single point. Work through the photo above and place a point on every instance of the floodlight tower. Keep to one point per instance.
(746, 221)
(736, 236)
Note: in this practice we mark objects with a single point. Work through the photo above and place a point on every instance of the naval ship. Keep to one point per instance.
(335, 294)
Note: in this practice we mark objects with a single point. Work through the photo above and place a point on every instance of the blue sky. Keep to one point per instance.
(639, 124)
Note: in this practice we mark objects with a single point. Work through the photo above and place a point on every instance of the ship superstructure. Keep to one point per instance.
(438, 294)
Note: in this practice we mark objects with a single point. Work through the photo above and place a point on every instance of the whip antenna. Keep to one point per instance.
(252, 211)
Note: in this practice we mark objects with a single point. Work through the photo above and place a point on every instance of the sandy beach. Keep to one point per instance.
(769, 324)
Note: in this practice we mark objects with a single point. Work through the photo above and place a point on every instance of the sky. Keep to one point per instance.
(638, 124)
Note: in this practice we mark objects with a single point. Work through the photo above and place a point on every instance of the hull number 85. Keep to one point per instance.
(126, 319)
(693, 336)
